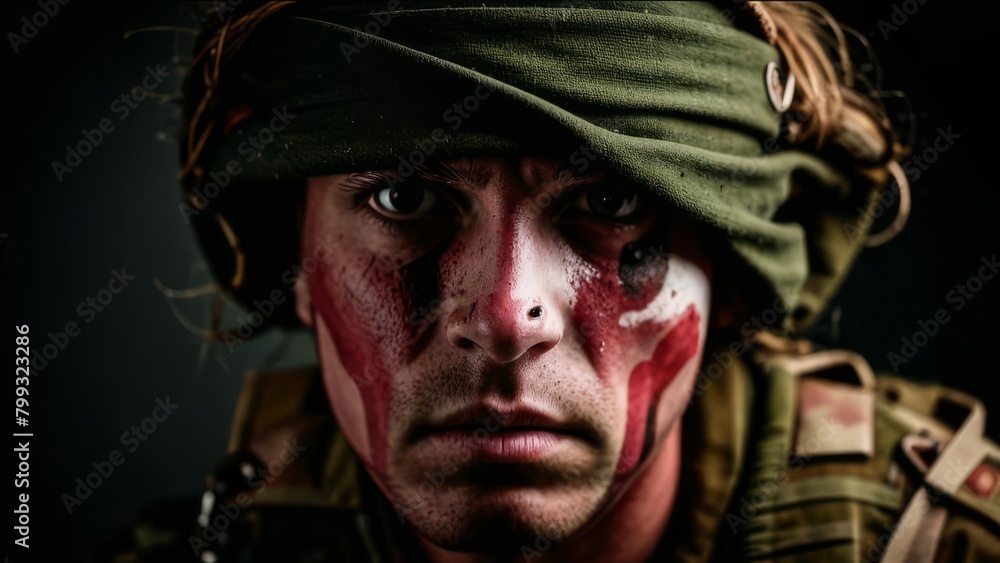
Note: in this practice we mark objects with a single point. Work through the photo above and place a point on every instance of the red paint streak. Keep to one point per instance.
(500, 309)
(600, 303)
(650, 379)
(504, 299)
(365, 324)
(504, 310)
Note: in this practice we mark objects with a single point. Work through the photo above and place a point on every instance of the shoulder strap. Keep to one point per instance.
(950, 474)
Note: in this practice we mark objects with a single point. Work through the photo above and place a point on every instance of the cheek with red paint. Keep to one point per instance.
(356, 343)
(641, 322)
(649, 380)
(368, 310)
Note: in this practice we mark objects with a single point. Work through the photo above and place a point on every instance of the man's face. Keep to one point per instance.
(504, 343)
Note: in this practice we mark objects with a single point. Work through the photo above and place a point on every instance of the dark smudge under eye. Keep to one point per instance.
(643, 265)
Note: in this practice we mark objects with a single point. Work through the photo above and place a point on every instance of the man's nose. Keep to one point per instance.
(516, 309)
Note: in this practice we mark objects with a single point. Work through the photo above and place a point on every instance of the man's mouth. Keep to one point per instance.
(502, 434)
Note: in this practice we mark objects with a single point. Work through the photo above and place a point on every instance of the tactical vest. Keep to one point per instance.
(836, 464)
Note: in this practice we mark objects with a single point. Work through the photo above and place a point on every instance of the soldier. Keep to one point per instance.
(555, 260)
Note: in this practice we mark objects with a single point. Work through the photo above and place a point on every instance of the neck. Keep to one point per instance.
(629, 531)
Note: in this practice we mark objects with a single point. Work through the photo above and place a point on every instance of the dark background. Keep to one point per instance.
(118, 209)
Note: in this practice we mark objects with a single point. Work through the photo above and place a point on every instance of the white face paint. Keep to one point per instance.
(685, 284)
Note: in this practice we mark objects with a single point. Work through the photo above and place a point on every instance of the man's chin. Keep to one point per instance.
(501, 520)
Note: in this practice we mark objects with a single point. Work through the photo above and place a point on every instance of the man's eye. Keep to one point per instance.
(403, 201)
(609, 202)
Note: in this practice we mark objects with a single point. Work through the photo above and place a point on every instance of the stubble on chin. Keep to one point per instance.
(497, 521)
(499, 508)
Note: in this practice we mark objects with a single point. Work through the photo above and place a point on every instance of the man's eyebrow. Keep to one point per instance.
(475, 177)
(358, 181)
(472, 178)
(563, 178)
